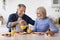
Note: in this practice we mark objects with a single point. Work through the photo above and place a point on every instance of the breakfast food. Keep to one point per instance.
(32, 33)
(17, 32)
(49, 33)
(38, 33)
(21, 33)
(7, 35)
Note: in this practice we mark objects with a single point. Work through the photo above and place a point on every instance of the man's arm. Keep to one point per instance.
(29, 20)
(14, 23)
(11, 22)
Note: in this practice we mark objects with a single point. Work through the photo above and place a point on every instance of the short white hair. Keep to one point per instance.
(42, 9)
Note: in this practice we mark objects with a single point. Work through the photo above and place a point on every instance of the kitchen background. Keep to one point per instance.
(8, 7)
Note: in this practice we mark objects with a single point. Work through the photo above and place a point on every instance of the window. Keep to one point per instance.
(56, 1)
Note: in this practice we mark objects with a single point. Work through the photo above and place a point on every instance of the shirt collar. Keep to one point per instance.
(42, 19)
(18, 16)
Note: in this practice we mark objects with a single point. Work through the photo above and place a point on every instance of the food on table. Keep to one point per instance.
(29, 31)
(7, 35)
(12, 32)
(49, 33)
(17, 32)
(2, 34)
(32, 32)
(22, 33)
(38, 33)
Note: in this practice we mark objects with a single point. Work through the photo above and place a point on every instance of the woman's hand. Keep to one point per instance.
(49, 33)
(38, 33)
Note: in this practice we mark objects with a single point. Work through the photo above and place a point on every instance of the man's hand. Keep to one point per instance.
(14, 23)
(22, 22)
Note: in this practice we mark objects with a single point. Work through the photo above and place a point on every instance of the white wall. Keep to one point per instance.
(31, 5)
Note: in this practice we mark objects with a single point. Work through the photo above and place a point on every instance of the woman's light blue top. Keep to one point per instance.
(42, 25)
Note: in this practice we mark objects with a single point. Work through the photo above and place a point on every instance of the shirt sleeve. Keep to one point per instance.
(53, 28)
(9, 25)
(10, 19)
(30, 21)
(35, 27)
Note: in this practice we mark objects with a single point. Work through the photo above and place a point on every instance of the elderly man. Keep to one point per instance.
(13, 18)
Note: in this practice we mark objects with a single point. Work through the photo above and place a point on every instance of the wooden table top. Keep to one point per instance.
(29, 36)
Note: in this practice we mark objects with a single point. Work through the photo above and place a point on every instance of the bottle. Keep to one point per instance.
(12, 31)
(29, 30)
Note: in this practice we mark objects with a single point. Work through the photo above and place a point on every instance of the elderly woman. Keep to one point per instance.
(43, 23)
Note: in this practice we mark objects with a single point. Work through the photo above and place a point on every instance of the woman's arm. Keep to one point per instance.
(53, 28)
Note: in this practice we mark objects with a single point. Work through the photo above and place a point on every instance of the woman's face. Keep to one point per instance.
(40, 14)
(21, 11)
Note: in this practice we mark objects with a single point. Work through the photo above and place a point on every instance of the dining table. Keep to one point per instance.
(31, 36)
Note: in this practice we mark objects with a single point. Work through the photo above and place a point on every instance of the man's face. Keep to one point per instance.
(21, 11)
(40, 14)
